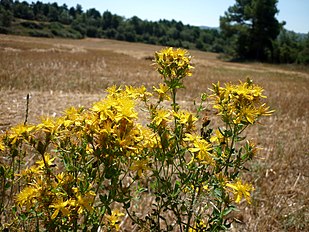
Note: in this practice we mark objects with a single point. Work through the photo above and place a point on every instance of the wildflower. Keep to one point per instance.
(72, 116)
(135, 93)
(241, 190)
(240, 103)
(83, 201)
(140, 166)
(63, 178)
(218, 138)
(203, 187)
(27, 195)
(186, 118)
(199, 226)
(89, 149)
(161, 117)
(47, 160)
(60, 206)
(114, 220)
(162, 92)
(201, 149)
(148, 138)
(173, 63)
(31, 171)
(48, 125)
(2, 146)
(113, 90)
(19, 131)
(125, 109)
(103, 110)
(142, 93)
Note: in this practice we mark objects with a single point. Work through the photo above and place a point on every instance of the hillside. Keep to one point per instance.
(53, 21)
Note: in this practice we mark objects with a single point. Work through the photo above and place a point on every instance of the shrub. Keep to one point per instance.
(90, 167)
(32, 25)
(41, 33)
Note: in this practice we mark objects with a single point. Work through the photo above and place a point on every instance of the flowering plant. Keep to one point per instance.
(91, 168)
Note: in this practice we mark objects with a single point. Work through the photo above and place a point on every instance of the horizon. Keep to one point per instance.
(197, 13)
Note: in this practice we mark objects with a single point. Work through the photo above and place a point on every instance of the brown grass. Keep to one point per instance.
(59, 73)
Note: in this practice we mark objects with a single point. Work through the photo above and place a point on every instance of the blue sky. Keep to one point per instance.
(194, 12)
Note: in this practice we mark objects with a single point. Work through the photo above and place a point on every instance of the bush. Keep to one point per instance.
(41, 33)
(32, 25)
(90, 167)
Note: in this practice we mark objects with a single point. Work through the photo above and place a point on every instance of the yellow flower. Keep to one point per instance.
(89, 149)
(113, 90)
(140, 166)
(162, 116)
(148, 138)
(186, 118)
(103, 110)
(191, 137)
(19, 131)
(163, 92)
(48, 125)
(201, 149)
(63, 178)
(240, 103)
(60, 206)
(135, 93)
(218, 138)
(48, 161)
(30, 171)
(2, 145)
(83, 201)
(72, 116)
(27, 195)
(142, 93)
(114, 219)
(173, 63)
(241, 190)
(125, 109)
(199, 226)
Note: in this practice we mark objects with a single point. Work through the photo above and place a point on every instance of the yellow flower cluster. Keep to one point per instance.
(112, 128)
(58, 193)
(200, 148)
(114, 219)
(173, 63)
(240, 103)
(92, 159)
(241, 190)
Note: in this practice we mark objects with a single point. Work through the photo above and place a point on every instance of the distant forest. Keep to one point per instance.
(51, 20)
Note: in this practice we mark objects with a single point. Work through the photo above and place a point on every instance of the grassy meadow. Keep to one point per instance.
(59, 73)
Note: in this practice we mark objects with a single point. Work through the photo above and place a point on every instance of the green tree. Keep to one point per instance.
(251, 26)
(6, 18)
(23, 10)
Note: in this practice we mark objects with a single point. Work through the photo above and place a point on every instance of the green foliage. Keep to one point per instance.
(290, 47)
(87, 169)
(251, 27)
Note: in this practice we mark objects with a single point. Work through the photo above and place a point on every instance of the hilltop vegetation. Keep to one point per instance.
(51, 20)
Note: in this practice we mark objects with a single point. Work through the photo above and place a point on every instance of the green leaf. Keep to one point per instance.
(228, 210)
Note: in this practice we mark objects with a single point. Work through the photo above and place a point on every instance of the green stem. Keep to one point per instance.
(231, 150)
(191, 203)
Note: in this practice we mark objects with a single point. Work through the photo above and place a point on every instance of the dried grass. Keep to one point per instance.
(59, 73)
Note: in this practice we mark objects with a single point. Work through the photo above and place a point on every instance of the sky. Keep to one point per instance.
(194, 12)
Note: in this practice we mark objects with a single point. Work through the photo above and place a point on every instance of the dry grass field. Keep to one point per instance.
(59, 73)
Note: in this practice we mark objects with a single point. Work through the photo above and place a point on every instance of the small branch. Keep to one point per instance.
(27, 109)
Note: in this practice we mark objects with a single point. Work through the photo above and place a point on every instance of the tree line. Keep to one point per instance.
(234, 37)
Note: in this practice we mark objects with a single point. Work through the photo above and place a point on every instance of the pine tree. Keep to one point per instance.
(251, 26)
